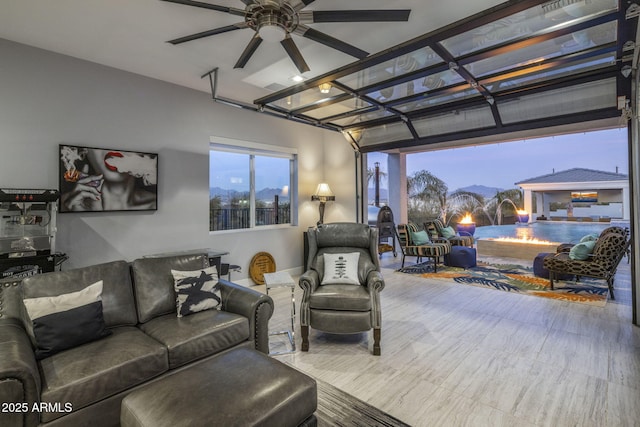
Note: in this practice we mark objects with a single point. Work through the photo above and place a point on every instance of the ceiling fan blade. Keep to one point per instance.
(355, 15)
(248, 51)
(332, 42)
(295, 55)
(238, 26)
(301, 4)
(210, 6)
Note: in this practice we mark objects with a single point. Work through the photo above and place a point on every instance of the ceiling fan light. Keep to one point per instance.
(272, 33)
(325, 87)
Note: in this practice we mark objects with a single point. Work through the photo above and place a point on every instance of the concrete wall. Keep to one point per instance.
(47, 99)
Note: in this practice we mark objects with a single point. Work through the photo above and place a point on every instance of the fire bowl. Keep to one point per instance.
(466, 229)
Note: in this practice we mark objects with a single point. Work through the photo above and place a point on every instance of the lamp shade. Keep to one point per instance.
(323, 193)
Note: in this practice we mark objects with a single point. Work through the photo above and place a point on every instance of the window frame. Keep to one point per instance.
(253, 149)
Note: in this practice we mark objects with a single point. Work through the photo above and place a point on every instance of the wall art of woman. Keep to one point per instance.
(94, 179)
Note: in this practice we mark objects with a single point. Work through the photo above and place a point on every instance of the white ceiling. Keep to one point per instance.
(131, 35)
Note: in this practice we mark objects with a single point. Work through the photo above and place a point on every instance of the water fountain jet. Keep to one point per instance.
(523, 216)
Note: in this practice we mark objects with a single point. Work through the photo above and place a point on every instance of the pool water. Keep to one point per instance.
(561, 232)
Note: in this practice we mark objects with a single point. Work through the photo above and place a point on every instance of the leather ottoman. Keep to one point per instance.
(242, 387)
(461, 256)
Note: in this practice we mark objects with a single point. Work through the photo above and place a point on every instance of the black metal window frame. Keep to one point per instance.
(470, 90)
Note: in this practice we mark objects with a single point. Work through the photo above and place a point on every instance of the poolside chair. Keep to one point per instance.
(435, 250)
(601, 264)
(434, 228)
(566, 247)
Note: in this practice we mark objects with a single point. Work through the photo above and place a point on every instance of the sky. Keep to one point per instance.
(231, 171)
(502, 165)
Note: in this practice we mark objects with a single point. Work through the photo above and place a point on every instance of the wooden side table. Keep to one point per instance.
(282, 279)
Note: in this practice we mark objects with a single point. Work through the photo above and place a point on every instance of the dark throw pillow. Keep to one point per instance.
(196, 290)
(66, 321)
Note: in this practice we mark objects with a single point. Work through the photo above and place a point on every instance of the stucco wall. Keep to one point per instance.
(47, 99)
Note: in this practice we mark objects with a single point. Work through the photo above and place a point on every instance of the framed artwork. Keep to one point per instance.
(584, 196)
(98, 180)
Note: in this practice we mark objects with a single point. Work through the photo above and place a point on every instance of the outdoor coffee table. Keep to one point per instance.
(282, 279)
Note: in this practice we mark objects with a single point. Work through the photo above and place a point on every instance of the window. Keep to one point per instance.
(251, 185)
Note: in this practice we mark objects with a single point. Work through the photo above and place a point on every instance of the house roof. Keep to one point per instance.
(575, 175)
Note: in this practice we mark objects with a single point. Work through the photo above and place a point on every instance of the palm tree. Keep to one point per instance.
(371, 176)
(428, 192)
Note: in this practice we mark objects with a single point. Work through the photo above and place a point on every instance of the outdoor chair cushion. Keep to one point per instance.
(439, 232)
(448, 232)
(581, 251)
(420, 237)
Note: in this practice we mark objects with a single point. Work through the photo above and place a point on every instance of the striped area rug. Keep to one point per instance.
(337, 408)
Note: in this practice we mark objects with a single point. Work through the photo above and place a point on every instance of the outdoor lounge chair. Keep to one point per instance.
(566, 247)
(434, 250)
(434, 228)
(601, 264)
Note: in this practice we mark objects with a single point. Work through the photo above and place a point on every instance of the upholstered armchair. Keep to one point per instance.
(602, 263)
(343, 282)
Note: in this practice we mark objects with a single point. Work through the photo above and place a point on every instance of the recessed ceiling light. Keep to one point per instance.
(297, 79)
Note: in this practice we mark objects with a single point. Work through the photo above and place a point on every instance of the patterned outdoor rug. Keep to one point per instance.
(517, 278)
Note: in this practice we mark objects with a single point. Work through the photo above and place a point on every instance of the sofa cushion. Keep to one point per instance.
(118, 306)
(338, 297)
(153, 283)
(92, 372)
(201, 334)
(67, 320)
(196, 290)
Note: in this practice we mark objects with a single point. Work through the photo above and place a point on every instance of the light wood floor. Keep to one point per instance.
(459, 355)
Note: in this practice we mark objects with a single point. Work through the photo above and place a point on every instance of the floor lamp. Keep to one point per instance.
(323, 195)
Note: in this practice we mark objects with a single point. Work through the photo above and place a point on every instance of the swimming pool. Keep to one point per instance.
(561, 232)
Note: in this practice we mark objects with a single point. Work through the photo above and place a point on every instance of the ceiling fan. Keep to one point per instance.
(276, 20)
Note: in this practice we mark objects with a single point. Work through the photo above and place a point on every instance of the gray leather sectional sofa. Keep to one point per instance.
(84, 386)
